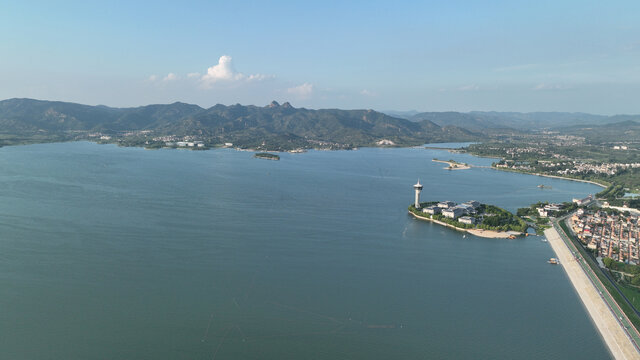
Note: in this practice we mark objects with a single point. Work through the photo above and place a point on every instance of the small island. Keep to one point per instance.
(472, 216)
(267, 156)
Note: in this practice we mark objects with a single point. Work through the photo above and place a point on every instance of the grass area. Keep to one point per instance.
(632, 294)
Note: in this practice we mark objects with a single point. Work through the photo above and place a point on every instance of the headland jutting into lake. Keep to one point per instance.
(472, 216)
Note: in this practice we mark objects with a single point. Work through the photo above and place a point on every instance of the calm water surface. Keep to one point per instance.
(122, 253)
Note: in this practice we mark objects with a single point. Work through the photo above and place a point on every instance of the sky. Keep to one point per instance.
(562, 55)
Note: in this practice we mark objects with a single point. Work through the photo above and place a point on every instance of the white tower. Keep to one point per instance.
(418, 188)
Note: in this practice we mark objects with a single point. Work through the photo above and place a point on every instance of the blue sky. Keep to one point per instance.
(424, 55)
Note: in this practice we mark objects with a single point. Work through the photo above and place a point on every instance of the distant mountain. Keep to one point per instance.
(452, 118)
(244, 125)
(479, 120)
(627, 131)
(401, 114)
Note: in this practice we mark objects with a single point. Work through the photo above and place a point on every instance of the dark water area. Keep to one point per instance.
(124, 253)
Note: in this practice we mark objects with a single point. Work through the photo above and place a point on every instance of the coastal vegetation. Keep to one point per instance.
(267, 156)
(491, 218)
(612, 192)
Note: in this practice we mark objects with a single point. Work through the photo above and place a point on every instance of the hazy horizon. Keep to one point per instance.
(457, 56)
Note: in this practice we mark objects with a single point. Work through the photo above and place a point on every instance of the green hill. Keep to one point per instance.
(277, 126)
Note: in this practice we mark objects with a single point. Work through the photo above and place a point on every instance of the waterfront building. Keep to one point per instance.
(467, 220)
(473, 203)
(453, 213)
(446, 204)
(418, 188)
(583, 201)
(432, 210)
(468, 209)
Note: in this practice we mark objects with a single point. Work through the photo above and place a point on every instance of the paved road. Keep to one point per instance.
(620, 337)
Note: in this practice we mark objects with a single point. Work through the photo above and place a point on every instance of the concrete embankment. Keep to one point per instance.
(609, 326)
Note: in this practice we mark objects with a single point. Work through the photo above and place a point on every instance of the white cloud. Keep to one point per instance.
(519, 67)
(472, 87)
(170, 77)
(303, 91)
(545, 86)
(366, 92)
(153, 77)
(224, 72)
(193, 75)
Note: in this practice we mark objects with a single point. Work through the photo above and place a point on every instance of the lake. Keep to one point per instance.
(125, 253)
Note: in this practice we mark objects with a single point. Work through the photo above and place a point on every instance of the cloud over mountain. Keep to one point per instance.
(224, 71)
(303, 91)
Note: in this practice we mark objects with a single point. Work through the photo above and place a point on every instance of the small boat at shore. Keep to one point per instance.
(553, 261)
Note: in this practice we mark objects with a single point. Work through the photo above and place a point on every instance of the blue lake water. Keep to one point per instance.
(124, 253)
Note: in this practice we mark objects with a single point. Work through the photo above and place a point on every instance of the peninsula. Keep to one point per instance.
(472, 216)
(453, 165)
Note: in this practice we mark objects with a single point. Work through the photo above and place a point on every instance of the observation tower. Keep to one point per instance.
(418, 188)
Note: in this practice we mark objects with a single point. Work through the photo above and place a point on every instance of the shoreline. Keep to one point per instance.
(477, 232)
(453, 165)
(616, 339)
(549, 176)
(298, 151)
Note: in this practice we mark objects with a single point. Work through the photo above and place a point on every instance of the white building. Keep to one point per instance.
(453, 213)
(418, 188)
(446, 204)
(473, 203)
(467, 220)
(431, 210)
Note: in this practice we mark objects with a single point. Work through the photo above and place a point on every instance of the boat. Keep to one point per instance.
(544, 240)
(553, 261)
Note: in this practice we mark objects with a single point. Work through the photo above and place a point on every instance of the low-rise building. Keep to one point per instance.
(432, 210)
(473, 203)
(453, 213)
(467, 220)
(446, 204)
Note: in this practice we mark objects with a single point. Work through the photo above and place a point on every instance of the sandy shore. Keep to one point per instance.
(493, 234)
(611, 330)
(453, 165)
(476, 232)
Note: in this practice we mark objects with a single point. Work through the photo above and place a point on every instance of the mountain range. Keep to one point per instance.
(534, 121)
(278, 126)
(282, 126)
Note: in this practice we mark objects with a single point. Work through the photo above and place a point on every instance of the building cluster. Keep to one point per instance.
(584, 201)
(569, 167)
(604, 168)
(549, 209)
(613, 236)
(464, 213)
(185, 144)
